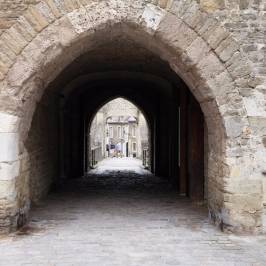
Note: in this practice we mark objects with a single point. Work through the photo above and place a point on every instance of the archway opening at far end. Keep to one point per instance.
(118, 139)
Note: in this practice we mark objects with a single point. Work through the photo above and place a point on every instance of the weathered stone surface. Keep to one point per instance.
(255, 105)
(210, 66)
(212, 5)
(215, 36)
(151, 227)
(234, 126)
(80, 20)
(8, 123)
(152, 16)
(227, 48)
(8, 147)
(9, 171)
(46, 11)
(168, 29)
(217, 47)
(197, 50)
(258, 125)
(36, 19)
(8, 190)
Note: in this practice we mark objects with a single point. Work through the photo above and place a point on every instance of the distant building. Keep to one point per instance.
(119, 129)
(123, 136)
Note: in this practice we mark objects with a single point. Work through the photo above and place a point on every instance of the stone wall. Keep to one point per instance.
(10, 10)
(246, 20)
(218, 74)
(38, 167)
(41, 159)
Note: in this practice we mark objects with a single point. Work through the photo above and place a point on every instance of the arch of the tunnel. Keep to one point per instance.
(126, 84)
(106, 99)
(210, 76)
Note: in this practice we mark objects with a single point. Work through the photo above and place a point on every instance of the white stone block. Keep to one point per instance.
(9, 147)
(255, 106)
(152, 16)
(8, 123)
(8, 190)
(234, 126)
(9, 171)
(264, 190)
(80, 20)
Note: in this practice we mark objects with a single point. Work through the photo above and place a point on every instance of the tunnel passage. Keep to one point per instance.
(58, 137)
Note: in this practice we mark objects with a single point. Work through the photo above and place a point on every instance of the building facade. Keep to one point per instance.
(119, 129)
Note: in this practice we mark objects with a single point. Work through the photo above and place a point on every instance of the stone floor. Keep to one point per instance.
(125, 219)
(107, 165)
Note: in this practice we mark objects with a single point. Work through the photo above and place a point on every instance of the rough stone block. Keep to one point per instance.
(9, 171)
(7, 50)
(255, 105)
(163, 3)
(227, 48)
(264, 190)
(56, 11)
(212, 5)
(45, 10)
(234, 126)
(16, 37)
(243, 186)
(70, 5)
(8, 123)
(8, 147)
(3, 68)
(179, 7)
(152, 16)
(2, 75)
(195, 19)
(241, 221)
(258, 125)
(240, 70)
(215, 36)
(20, 72)
(80, 20)
(210, 66)
(25, 28)
(209, 23)
(36, 19)
(5, 60)
(11, 42)
(197, 50)
(221, 84)
(8, 190)
(176, 33)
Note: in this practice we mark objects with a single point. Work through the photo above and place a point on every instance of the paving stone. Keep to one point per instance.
(123, 218)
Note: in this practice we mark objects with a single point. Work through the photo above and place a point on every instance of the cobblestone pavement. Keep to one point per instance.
(132, 165)
(124, 219)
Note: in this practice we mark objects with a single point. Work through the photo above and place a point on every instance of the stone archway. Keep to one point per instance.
(51, 34)
(127, 116)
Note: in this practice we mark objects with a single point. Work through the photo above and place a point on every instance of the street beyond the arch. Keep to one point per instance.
(118, 216)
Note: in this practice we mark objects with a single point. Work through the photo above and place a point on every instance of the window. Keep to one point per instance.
(111, 132)
(134, 131)
(119, 133)
(134, 146)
